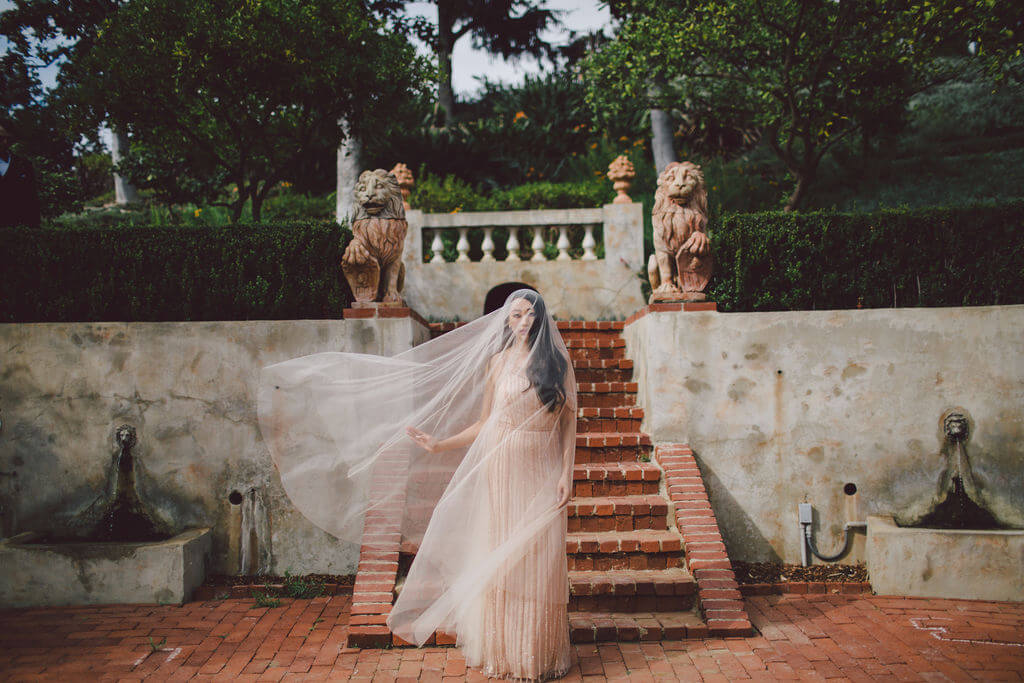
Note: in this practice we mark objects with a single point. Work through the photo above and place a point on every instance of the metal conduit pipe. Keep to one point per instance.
(807, 545)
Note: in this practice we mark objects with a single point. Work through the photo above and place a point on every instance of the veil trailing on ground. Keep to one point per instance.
(498, 395)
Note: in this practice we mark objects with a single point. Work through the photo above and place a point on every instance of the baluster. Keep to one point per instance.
(463, 245)
(513, 244)
(488, 245)
(437, 246)
(538, 245)
(563, 244)
(588, 245)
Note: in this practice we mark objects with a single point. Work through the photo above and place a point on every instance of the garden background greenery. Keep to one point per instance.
(853, 158)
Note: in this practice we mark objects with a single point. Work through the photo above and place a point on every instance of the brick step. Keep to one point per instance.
(645, 590)
(604, 439)
(597, 454)
(595, 349)
(576, 335)
(574, 326)
(615, 479)
(606, 394)
(606, 550)
(603, 374)
(629, 421)
(602, 364)
(624, 513)
(602, 627)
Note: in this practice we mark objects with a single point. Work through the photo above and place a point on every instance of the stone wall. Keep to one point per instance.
(783, 408)
(189, 390)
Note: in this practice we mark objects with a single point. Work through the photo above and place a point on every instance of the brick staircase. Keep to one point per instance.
(646, 559)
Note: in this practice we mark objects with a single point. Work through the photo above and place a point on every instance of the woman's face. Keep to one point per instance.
(520, 318)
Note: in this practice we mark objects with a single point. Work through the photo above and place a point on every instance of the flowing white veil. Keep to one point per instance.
(335, 424)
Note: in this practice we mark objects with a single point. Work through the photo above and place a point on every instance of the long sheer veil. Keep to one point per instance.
(335, 424)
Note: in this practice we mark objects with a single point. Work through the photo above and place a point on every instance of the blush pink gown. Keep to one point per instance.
(524, 628)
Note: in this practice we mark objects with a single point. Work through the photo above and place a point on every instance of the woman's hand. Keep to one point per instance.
(564, 492)
(425, 440)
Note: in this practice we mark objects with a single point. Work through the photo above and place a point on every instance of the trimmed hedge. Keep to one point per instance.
(276, 271)
(927, 257)
(291, 270)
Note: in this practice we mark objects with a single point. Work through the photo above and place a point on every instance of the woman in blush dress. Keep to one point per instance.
(518, 627)
(470, 438)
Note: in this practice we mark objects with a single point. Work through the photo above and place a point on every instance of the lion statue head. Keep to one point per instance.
(378, 195)
(681, 185)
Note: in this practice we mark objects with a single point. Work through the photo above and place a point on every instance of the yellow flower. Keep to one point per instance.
(285, 183)
(520, 115)
(457, 209)
(197, 212)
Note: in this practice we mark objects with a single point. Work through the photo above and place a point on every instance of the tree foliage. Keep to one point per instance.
(807, 74)
(509, 28)
(239, 92)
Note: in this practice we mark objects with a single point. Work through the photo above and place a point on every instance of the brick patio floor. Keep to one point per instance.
(800, 637)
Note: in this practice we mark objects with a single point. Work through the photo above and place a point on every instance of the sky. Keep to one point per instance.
(468, 65)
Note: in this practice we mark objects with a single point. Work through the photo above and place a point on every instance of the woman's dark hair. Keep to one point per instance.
(547, 366)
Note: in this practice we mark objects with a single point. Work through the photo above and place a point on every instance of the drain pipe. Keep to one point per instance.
(807, 545)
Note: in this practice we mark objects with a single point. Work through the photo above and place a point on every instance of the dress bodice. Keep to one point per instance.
(516, 403)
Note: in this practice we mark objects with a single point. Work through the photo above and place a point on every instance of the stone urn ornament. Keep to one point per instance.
(372, 263)
(681, 266)
(621, 173)
(405, 182)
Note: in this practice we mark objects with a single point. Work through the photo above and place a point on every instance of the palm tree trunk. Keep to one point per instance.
(348, 173)
(124, 191)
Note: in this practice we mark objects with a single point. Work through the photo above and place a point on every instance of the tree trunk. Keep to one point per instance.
(124, 191)
(803, 180)
(445, 46)
(238, 206)
(257, 206)
(661, 139)
(348, 173)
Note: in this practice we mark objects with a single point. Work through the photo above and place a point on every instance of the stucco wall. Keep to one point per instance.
(782, 408)
(189, 390)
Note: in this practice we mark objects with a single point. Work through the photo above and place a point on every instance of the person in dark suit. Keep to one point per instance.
(19, 201)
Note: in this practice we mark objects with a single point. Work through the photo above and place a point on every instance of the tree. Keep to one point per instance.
(41, 34)
(809, 74)
(221, 92)
(509, 28)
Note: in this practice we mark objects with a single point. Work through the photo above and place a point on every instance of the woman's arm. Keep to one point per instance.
(567, 431)
(467, 435)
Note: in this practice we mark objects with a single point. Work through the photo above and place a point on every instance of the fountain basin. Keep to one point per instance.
(36, 574)
(945, 563)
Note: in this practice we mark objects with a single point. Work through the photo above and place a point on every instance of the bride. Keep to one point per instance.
(472, 437)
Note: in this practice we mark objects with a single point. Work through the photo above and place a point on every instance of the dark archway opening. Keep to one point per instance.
(496, 297)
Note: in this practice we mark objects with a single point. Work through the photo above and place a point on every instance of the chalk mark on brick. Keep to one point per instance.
(937, 631)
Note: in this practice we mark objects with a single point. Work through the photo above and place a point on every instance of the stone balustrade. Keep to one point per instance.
(584, 261)
(521, 235)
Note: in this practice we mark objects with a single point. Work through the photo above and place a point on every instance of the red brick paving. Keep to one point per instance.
(799, 637)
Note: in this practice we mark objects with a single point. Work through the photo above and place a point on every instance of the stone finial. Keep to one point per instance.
(405, 182)
(621, 173)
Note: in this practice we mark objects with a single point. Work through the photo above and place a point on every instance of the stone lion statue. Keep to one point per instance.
(681, 265)
(372, 263)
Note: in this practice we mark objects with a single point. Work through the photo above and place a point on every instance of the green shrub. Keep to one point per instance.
(302, 587)
(927, 257)
(433, 195)
(268, 271)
